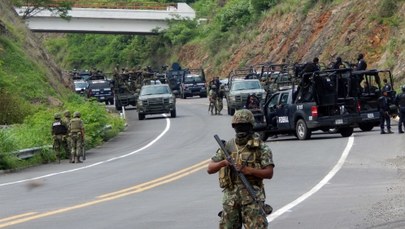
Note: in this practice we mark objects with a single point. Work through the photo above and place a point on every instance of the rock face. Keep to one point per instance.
(326, 31)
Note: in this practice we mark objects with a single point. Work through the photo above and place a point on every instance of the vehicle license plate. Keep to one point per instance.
(339, 121)
(102, 97)
(370, 115)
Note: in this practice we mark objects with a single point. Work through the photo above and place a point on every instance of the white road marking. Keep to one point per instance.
(98, 163)
(316, 188)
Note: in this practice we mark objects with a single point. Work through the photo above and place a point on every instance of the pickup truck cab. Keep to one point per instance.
(320, 104)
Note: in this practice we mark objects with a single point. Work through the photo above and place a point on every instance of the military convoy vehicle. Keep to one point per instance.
(323, 101)
(193, 84)
(126, 87)
(156, 99)
(242, 83)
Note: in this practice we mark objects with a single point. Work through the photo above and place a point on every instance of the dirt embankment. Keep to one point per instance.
(327, 31)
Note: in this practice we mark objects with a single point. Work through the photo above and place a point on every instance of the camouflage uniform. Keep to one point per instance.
(59, 132)
(66, 139)
(238, 206)
(76, 132)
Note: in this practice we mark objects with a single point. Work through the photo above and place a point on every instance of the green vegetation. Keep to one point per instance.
(29, 97)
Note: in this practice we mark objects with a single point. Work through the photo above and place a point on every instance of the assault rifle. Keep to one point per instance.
(265, 209)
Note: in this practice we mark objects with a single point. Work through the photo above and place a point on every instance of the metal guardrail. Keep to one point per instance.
(28, 153)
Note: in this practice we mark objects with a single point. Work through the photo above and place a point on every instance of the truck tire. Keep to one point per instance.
(366, 126)
(232, 111)
(302, 131)
(346, 131)
(173, 113)
(141, 116)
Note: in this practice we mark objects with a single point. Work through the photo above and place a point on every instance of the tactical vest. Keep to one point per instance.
(75, 125)
(248, 155)
(58, 128)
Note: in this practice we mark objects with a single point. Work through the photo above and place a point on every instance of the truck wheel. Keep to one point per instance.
(303, 133)
(141, 116)
(173, 113)
(346, 132)
(229, 110)
(232, 111)
(366, 126)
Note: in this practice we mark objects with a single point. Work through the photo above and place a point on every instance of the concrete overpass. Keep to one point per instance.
(108, 21)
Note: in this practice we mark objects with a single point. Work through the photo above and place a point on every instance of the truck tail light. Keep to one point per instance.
(314, 111)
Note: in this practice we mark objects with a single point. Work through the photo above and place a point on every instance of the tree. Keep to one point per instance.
(32, 7)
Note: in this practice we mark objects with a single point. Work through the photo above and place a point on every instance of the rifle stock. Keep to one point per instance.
(241, 176)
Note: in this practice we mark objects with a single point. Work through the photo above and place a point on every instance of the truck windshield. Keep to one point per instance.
(155, 90)
(245, 85)
(193, 79)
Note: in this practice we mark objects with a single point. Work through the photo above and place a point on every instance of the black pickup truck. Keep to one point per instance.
(322, 101)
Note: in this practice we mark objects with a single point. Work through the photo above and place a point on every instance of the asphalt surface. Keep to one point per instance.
(153, 175)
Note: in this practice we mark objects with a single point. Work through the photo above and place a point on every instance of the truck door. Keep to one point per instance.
(282, 111)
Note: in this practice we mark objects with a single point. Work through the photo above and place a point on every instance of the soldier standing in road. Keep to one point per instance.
(66, 140)
(384, 106)
(76, 130)
(59, 132)
(400, 102)
(212, 97)
(254, 159)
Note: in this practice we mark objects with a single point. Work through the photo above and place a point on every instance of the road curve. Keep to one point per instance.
(153, 176)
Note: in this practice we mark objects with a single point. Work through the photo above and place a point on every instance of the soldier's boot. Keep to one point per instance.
(78, 160)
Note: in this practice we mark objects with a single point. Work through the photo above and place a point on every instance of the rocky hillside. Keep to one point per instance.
(341, 28)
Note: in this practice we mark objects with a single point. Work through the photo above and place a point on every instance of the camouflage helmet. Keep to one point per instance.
(66, 113)
(76, 114)
(243, 116)
(57, 116)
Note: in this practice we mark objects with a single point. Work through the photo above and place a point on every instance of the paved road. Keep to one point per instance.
(153, 176)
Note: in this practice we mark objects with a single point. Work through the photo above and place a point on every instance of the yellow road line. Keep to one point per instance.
(13, 220)
(17, 216)
(154, 181)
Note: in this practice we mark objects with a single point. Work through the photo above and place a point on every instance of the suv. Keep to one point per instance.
(319, 104)
(193, 84)
(101, 90)
(156, 99)
(239, 90)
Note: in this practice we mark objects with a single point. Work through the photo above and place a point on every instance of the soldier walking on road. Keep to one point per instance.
(385, 119)
(76, 130)
(59, 132)
(400, 102)
(254, 159)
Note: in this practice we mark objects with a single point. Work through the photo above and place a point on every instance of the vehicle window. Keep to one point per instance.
(245, 85)
(193, 79)
(81, 84)
(273, 101)
(284, 98)
(155, 90)
(99, 85)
